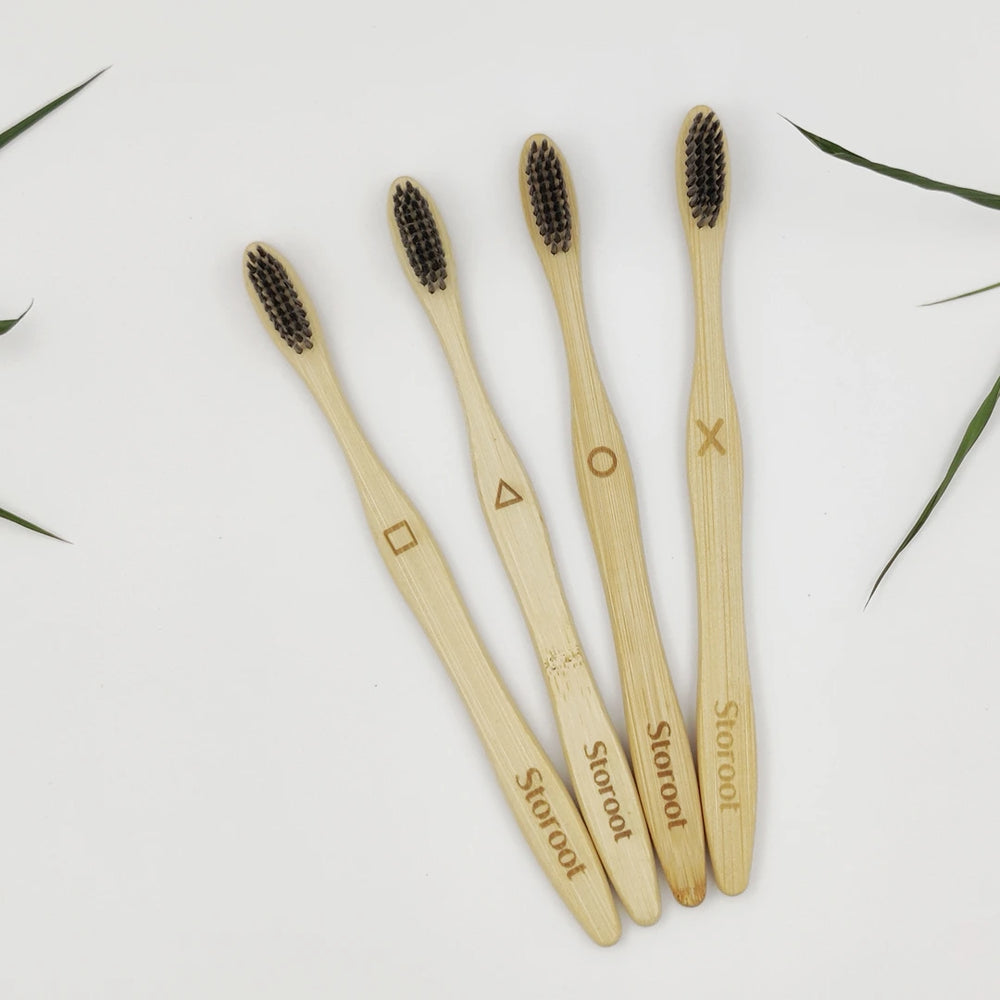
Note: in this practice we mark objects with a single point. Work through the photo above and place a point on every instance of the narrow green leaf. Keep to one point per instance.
(969, 194)
(8, 516)
(964, 295)
(22, 126)
(5, 137)
(972, 432)
(9, 324)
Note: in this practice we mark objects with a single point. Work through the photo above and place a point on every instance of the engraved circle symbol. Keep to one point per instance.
(602, 461)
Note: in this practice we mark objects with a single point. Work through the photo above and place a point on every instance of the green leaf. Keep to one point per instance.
(9, 135)
(972, 432)
(8, 516)
(969, 194)
(964, 295)
(9, 324)
(22, 126)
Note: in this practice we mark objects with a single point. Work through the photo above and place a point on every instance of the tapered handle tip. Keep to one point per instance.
(691, 895)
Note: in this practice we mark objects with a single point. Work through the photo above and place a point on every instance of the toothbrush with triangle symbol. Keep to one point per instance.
(598, 767)
(534, 791)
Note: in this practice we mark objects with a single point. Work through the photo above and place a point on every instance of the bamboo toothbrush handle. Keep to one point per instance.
(599, 769)
(541, 804)
(726, 744)
(661, 754)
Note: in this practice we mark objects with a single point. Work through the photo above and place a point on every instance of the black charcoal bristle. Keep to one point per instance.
(280, 300)
(705, 165)
(419, 235)
(549, 197)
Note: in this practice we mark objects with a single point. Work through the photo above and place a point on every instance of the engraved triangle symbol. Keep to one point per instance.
(506, 496)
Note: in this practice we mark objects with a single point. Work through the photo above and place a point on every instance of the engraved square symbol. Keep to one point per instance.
(400, 537)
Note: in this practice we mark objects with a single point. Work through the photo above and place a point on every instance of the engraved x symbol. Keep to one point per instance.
(710, 437)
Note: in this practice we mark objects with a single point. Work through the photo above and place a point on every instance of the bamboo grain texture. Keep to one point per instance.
(725, 717)
(661, 754)
(598, 766)
(540, 802)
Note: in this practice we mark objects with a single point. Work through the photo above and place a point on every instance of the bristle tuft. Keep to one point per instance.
(549, 197)
(279, 298)
(419, 235)
(705, 166)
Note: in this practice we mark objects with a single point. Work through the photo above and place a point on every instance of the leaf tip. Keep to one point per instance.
(9, 324)
(809, 135)
(91, 79)
(885, 569)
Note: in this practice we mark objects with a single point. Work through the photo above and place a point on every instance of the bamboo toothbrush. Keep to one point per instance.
(597, 763)
(661, 755)
(727, 764)
(541, 804)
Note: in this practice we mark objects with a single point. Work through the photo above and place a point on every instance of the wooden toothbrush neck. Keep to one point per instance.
(319, 377)
(705, 247)
(706, 272)
(446, 316)
(445, 312)
(567, 290)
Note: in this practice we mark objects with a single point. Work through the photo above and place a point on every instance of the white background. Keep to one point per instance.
(231, 765)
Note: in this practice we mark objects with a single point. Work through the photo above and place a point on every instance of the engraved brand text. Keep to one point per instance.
(532, 785)
(659, 747)
(725, 771)
(599, 772)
